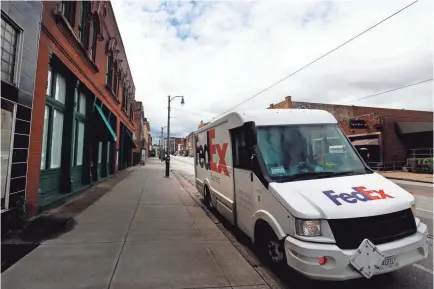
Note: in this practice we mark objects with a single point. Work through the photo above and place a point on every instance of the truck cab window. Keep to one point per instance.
(240, 150)
(312, 150)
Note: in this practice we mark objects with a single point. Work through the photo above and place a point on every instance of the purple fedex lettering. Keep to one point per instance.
(332, 196)
(359, 194)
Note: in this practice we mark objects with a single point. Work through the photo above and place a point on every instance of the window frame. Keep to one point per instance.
(18, 48)
(94, 39)
(78, 118)
(52, 104)
(84, 25)
(69, 9)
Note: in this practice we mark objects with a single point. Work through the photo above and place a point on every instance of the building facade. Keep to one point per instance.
(172, 144)
(147, 136)
(389, 135)
(20, 32)
(189, 144)
(82, 126)
(138, 132)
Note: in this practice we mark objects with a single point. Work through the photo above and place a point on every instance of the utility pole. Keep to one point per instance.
(168, 130)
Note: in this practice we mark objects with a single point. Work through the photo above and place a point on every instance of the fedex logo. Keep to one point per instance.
(212, 156)
(360, 194)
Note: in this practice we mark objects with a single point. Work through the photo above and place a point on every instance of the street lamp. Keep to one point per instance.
(169, 100)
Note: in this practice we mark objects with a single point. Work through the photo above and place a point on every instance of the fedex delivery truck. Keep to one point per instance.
(292, 181)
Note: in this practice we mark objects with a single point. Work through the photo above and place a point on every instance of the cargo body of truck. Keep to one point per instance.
(294, 184)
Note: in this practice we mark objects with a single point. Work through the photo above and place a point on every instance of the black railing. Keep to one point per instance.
(387, 166)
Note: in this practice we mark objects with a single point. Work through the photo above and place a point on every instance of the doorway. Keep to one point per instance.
(8, 110)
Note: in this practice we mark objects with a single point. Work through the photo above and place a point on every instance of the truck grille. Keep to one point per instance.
(349, 233)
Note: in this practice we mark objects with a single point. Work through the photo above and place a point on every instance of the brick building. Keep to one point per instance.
(20, 32)
(189, 143)
(388, 134)
(82, 126)
(147, 136)
(138, 138)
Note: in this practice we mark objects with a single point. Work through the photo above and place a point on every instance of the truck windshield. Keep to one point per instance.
(300, 152)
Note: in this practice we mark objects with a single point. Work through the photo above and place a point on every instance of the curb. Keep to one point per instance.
(409, 180)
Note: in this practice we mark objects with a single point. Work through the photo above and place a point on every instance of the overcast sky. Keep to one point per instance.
(217, 54)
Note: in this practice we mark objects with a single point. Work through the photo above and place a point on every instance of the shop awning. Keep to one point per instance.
(109, 127)
(130, 138)
(414, 127)
(366, 142)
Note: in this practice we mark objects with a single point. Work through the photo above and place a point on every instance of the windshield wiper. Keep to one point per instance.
(319, 175)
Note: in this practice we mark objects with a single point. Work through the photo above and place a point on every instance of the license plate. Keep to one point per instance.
(389, 262)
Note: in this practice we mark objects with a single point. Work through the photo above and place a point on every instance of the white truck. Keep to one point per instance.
(292, 181)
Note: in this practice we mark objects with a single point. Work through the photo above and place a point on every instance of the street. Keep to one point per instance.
(419, 275)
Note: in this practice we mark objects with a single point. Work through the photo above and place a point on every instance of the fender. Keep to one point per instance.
(205, 183)
(267, 217)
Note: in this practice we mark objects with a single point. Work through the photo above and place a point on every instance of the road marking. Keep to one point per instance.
(423, 268)
(424, 210)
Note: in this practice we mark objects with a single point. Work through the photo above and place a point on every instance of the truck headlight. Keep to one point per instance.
(308, 228)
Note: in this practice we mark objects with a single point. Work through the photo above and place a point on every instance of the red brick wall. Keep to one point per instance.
(55, 39)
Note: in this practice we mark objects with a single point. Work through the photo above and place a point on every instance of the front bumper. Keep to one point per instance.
(303, 256)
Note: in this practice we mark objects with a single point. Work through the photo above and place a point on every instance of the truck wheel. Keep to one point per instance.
(207, 197)
(269, 247)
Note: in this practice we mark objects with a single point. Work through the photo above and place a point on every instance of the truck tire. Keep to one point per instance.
(207, 198)
(270, 249)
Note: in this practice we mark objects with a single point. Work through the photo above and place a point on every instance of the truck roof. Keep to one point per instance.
(265, 117)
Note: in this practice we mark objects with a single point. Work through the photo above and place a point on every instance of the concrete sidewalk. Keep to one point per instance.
(147, 232)
(407, 176)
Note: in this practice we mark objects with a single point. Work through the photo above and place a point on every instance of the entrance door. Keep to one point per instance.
(7, 132)
(99, 167)
(243, 183)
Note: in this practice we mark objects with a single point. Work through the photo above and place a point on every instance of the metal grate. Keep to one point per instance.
(9, 49)
(349, 233)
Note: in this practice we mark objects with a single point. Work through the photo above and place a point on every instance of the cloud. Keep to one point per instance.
(217, 54)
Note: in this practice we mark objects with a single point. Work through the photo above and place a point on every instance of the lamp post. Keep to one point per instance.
(169, 100)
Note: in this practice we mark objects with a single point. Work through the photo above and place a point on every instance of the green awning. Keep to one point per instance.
(130, 137)
(101, 113)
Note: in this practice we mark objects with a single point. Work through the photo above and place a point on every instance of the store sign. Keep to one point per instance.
(358, 123)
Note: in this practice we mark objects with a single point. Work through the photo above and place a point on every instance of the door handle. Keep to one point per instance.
(251, 176)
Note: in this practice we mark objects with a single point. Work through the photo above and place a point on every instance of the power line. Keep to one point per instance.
(186, 111)
(387, 91)
(319, 58)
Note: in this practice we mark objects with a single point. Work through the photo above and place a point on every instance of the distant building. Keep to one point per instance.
(390, 135)
(138, 132)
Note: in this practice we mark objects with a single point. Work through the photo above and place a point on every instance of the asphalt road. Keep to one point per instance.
(419, 275)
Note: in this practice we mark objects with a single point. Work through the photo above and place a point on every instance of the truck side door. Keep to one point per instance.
(243, 184)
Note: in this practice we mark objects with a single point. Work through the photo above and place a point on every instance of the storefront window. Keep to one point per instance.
(56, 140)
(51, 153)
(82, 106)
(60, 92)
(44, 138)
(80, 143)
(7, 111)
(79, 125)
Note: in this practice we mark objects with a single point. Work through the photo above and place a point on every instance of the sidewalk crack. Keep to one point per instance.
(126, 235)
